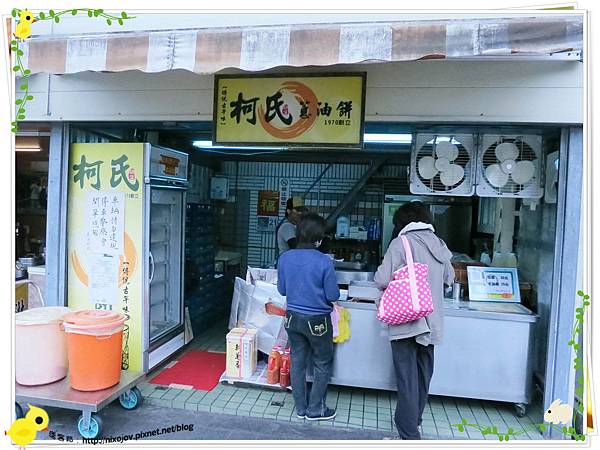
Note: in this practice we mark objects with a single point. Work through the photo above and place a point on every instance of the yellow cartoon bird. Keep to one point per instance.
(26, 18)
(24, 431)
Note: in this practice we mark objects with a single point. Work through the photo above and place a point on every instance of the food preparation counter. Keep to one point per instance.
(485, 352)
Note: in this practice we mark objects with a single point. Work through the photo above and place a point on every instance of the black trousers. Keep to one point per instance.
(413, 364)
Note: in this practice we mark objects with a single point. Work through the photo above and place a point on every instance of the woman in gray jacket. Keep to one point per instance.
(413, 342)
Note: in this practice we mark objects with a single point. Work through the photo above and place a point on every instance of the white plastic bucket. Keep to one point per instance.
(41, 346)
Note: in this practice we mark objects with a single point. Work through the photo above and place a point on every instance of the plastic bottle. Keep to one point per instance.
(284, 372)
(274, 365)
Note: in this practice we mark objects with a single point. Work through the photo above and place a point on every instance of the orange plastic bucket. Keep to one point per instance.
(94, 344)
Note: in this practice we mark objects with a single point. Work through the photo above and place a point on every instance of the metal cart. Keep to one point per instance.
(61, 395)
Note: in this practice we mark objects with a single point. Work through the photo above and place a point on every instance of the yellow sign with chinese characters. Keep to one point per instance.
(290, 110)
(105, 236)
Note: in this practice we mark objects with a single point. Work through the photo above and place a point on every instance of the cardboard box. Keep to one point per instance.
(241, 353)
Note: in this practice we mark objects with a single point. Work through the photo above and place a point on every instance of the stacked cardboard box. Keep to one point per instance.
(241, 353)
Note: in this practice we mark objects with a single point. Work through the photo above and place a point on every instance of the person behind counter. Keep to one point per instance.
(413, 342)
(307, 277)
(286, 231)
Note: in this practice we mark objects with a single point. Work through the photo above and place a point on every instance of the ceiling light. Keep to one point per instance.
(388, 138)
(27, 144)
(209, 145)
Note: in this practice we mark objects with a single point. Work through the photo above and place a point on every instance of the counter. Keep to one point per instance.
(485, 352)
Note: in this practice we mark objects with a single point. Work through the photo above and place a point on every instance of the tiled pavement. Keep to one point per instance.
(356, 408)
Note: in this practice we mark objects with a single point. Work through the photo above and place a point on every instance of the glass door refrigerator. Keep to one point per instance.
(164, 218)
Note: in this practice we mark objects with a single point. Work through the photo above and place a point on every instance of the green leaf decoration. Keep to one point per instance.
(20, 52)
(510, 431)
(29, 97)
(21, 110)
(42, 15)
(120, 21)
(485, 431)
(579, 390)
(16, 68)
(23, 87)
(464, 421)
(586, 303)
(100, 11)
(579, 310)
(56, 19)
(586, 297)
(124, 15)
(26, 72)
(74, 12)
(108, 21)
(571, 342)
(90, 13)
(96, 12)
(580, 293)
(542, 427)
(500, 437)
(21, 117)
(51, 12)
(461, 428)
(18, 101)
(506, 437)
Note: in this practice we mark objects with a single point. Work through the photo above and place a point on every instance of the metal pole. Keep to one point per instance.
(56, 227)
(560, 375)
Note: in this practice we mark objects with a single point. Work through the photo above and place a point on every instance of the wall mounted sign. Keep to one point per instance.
(268, 203)
(306, 110)
(493, 284)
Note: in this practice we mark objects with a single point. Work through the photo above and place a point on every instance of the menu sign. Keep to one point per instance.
(493, 284)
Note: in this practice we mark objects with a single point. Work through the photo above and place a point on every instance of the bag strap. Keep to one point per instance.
(412, 277)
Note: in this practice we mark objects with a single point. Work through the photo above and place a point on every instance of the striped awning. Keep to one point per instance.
(209, 50)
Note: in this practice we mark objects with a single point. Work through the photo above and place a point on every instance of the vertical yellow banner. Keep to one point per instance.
(105, 236)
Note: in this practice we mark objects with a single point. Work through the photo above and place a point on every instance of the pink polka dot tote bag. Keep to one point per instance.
(408, 296)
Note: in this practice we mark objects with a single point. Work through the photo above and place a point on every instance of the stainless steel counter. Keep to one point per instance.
(485, 352)
(344, 277)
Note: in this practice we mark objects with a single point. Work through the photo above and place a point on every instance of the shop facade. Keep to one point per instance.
(479, 89)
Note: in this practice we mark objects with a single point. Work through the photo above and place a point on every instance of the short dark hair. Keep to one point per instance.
(311, 228)
(410, 212)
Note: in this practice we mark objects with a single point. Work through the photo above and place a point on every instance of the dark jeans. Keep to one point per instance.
(310, 337)
(413, 364)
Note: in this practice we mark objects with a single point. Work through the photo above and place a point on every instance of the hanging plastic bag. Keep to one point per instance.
(341, 326)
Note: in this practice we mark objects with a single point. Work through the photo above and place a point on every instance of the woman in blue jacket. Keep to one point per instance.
(307, 278)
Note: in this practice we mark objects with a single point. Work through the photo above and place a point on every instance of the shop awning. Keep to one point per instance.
(209, 50)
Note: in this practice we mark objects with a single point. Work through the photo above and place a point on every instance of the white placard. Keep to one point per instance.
(284, 194)
(493, 284)
(103, 276)
(105, 222)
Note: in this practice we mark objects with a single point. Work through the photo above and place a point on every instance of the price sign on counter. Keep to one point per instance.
(493, 284)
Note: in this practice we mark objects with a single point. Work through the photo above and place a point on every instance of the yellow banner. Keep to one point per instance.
(300, 110)
(104, 235)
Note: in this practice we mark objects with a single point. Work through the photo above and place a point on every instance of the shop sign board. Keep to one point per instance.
(493, 284)
(104, 236)
(306, 110)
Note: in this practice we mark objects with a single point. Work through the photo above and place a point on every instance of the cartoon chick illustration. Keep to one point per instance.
(559, 412)
(26, 18)
(24, 431)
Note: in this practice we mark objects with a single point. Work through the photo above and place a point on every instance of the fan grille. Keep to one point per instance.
(526, 153)
(435, 184)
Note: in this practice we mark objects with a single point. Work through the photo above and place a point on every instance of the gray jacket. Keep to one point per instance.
(428, 249)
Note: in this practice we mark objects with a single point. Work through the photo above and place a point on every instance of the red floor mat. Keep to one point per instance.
(199, 369)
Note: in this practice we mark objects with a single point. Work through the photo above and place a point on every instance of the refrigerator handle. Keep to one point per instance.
(151, 267)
